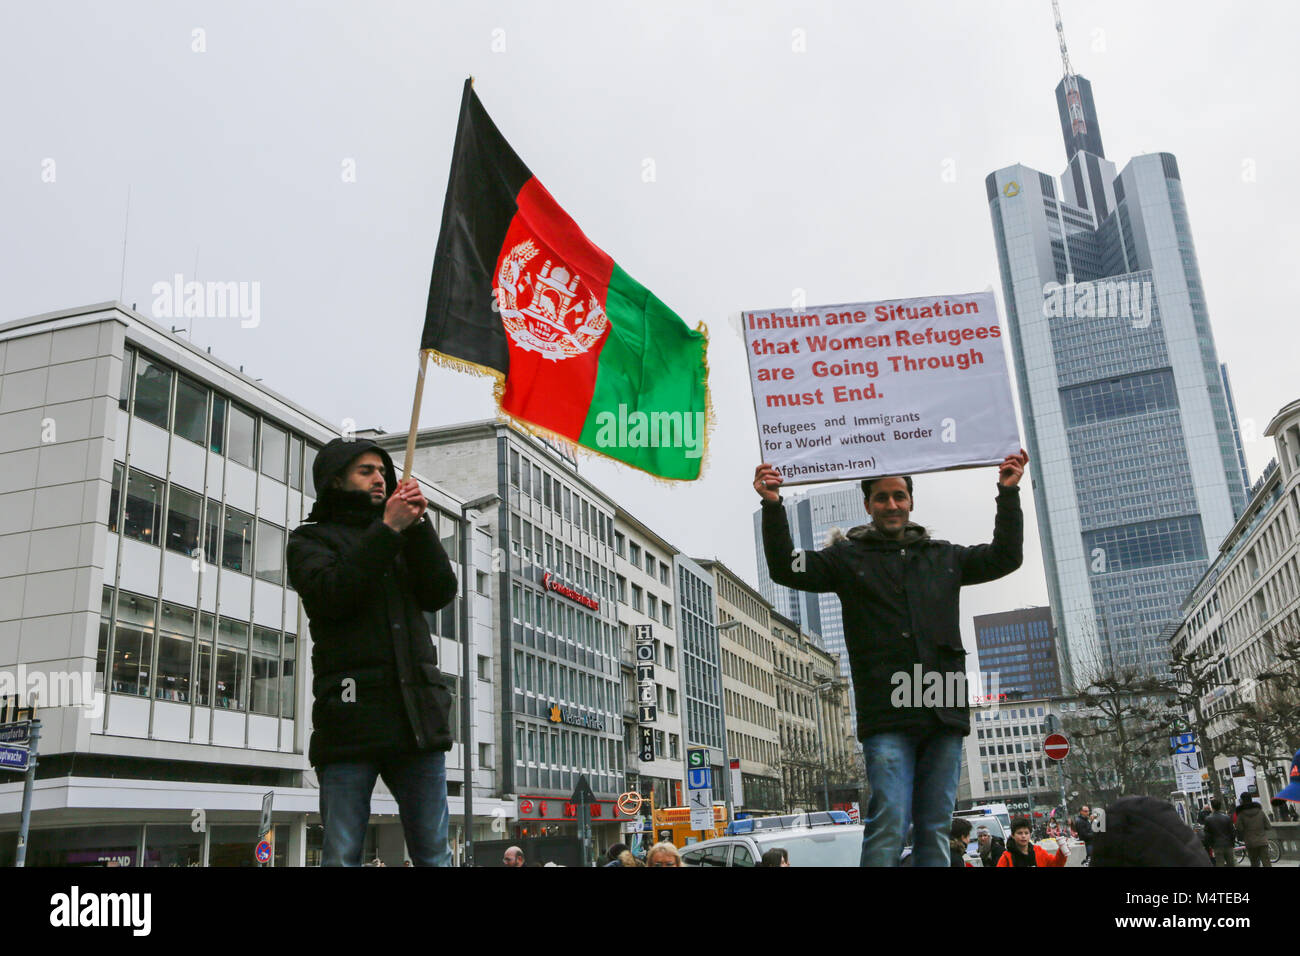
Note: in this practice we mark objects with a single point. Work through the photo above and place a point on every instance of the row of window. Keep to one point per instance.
(189, 657)
(223, 535)
(160, 395)
(552, 680)
(543, 612)
(531, 480)
(560, 747)
(633, 553)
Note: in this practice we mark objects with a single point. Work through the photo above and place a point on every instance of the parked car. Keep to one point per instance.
(823, 839)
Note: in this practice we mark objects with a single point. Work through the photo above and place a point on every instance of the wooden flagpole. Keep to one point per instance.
(415, 415)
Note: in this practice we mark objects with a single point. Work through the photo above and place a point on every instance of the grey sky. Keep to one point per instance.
(774, 170)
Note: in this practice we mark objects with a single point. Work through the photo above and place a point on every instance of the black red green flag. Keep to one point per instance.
(579, 348)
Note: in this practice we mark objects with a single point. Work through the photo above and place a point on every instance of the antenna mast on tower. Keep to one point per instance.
(1073, 102)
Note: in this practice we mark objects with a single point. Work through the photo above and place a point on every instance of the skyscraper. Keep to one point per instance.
(1137, 464)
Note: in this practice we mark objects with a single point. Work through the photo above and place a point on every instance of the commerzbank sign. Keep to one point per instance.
(552, 583)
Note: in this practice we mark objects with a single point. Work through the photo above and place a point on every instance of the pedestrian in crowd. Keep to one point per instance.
(777, 856)
(991, 848)
(1253, 826)
(958, 841)
(614, 853)
(663, 854)
(627, 859)
(1219, 835)
(368, 565)
(1020, 852)
(513, 857)
(1204, 814)
(1083, 830)
(1144, 831)
(899, 591)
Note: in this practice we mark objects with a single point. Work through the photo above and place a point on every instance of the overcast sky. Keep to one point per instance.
(725, 153)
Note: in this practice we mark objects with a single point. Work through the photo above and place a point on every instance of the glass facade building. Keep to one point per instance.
(812, 515)
(1138, 468)
(1019, 648)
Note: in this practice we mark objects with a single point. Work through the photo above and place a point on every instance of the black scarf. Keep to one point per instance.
(336, 506)
(1022, 859)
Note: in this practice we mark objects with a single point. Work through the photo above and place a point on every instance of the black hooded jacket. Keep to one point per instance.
(900, 607)
(365, 587)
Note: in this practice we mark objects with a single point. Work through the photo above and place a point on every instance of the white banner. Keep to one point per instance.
(902, 386)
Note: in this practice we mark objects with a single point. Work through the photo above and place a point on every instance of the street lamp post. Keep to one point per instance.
(466, 675)
(722, 709)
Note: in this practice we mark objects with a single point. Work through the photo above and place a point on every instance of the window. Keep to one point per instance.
(115, 498)
(133, 644)
(217, 426)
(275, 445)
(674, 743)
(308, 462)
(288, 687)
(667, 617)
(634, 553)
(485, 755)
(525, 476)
(295, 462)
(124, 387)
(153, 391)
(663, 573)
(239, 437)
(143, 507)
(212, 532)
(191, 411)
(237, 544)
(232, 664)
(184, 517)
(650, 564)
(514, 469)
(672, 699)
(619, 543)
(652, 605)
(269, 564)
(265, 675)
(636, 598)
(175, 653)
(485, 668)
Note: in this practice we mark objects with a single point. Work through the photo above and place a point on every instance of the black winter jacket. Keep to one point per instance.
(900, 606)
(365, 587)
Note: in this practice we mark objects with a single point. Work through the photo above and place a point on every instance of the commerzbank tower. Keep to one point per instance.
(1136, 459)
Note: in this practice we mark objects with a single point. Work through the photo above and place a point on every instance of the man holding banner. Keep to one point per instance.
(899, 591)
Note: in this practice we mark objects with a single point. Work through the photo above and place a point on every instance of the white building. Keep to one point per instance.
(146, 491)
(646, 599)
(1248, 602)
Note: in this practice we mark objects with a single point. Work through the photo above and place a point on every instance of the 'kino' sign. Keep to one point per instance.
(645, 672)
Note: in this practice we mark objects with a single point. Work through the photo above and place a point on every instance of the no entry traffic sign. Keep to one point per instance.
(1056, 746)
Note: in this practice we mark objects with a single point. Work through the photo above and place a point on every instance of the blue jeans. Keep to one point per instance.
(913, 781)
(418, 781)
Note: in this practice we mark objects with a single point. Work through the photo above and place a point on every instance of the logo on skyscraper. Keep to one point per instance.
(1011, 189)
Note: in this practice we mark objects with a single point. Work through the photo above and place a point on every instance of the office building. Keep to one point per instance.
(146, 492)
(1136, 469)
(1017, 652)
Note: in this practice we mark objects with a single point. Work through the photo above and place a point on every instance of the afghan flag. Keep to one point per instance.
(579, 348)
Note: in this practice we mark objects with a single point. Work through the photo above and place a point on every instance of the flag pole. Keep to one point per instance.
(415, 415)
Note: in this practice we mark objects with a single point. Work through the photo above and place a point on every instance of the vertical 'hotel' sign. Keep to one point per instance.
(645, 682)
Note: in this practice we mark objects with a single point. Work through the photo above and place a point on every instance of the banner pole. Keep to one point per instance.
(415, 415)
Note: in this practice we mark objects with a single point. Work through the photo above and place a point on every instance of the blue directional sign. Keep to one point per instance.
(14, 758)
(1183, 743)
(699, 778)
(18, 732)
